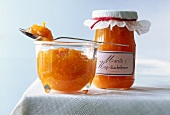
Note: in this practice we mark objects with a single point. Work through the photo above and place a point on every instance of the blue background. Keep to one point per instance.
(65, 18)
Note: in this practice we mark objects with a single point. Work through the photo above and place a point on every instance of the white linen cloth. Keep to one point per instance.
(150, 95)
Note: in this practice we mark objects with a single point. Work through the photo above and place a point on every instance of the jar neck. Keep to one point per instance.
(98, 19)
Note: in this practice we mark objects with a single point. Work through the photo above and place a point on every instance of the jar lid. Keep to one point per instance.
(105, 18)
(131, 15)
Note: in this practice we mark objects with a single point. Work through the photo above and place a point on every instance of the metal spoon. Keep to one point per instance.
(37, 37)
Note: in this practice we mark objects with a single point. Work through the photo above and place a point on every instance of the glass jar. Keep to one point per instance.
(116, 64)
(116, 56)
(66, 66)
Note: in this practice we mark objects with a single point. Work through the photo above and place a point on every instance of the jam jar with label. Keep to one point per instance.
(116, 54)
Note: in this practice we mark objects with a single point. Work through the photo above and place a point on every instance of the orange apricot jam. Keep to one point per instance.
(42, 31)
(115, 79)
(65, 69)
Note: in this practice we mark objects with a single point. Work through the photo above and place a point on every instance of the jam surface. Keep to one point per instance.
(117, 35)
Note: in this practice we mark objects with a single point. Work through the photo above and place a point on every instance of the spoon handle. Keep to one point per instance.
(73, 39)
(90, 41)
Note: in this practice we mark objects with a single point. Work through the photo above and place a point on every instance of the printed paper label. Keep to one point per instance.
(115, 63)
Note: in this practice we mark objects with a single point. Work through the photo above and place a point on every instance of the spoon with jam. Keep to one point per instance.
(42, 33)
(38, 32)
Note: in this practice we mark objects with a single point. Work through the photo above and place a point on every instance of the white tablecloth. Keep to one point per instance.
(150, 95)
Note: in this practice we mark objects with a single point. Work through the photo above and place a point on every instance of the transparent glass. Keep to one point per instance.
(118, 74)
(66, 66)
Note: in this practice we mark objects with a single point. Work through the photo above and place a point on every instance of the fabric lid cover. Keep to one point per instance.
(105, 18)
(116, 14)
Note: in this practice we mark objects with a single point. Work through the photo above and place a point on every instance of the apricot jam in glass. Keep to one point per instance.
(116, 64)
(116, 56)
(66, 66)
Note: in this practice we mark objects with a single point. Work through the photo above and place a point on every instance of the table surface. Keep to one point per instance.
(150, 95)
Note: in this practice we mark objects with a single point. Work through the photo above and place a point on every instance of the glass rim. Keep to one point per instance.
(66, 43)
(74, 43)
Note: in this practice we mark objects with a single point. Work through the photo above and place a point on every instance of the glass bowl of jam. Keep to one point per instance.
(66, 66)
